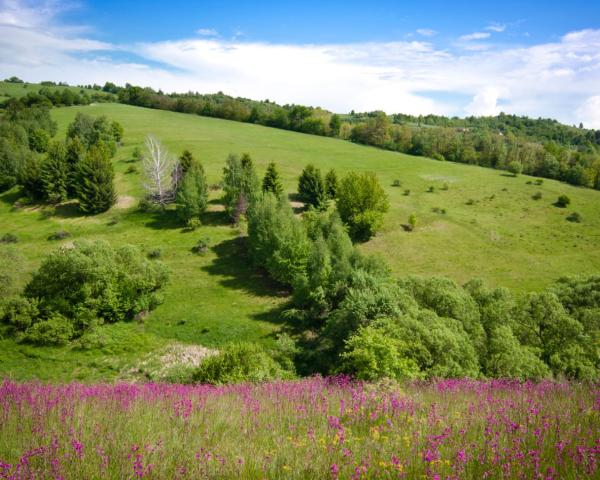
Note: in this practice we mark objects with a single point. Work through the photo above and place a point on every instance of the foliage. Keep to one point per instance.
(95, 182)
(331, 184)
(271, 181)
(239, 362)
(54, 173)
(563, 201)
(515, 167)
(574, 217)
(312, 188)
(362, 202)
(240, 185)
(192, 194)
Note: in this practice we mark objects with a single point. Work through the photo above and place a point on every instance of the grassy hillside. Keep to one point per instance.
(492, 229)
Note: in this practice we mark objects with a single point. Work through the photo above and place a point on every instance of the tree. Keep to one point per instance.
(95, 182)
(271, 182)
(311, 187)
(412, 221)
(185, 161)
(192, 194)
(515, 168)
(335, 124)
(240, 185)
(158, 166)
(362, 202)
(331, 184)
(54, 173)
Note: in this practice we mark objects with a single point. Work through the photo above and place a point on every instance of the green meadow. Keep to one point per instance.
(476, 222)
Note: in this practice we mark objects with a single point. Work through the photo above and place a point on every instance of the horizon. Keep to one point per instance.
(472, 60)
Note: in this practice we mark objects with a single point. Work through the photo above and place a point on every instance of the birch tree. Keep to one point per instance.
(158, 167)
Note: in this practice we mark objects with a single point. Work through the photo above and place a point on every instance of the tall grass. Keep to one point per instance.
(312, 428)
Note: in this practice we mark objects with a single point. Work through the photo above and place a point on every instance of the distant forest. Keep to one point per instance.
(539, 147)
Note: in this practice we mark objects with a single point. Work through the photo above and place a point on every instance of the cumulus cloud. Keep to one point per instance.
(589, 112)
(474, 36)
(558, 79)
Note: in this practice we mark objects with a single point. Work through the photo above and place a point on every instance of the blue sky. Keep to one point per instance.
(454, 58)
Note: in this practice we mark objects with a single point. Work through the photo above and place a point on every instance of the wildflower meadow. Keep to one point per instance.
(312, 428)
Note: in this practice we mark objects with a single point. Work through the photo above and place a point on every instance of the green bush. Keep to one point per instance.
(362, 203)
(239, 362)
(56, 330)
(574, 217)
(515, 168)
(9, 238)
(563, 201)
(537, 195)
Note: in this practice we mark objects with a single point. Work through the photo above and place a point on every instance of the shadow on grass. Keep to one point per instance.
(11, 196)
(67, 210)
(163, 220)
(234, 266)
(215, 218)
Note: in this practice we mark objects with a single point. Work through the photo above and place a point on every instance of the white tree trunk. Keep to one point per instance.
(158, 166)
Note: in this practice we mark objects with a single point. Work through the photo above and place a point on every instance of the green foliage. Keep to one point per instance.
(239, 362)
(335, 124)
(563, 201)
(54, 173)
(537, 195)
(19, 312)
(30, 177)
(240, 185)
(574, 217)
(55, 330)
(331, 184)
(412, 221)
(186, 160)
(95, 131)
(362, 202)
(278, 240)
(95, 182)
(271, 181)
(94, 281)
(371, 354)
(515, 168)
(311, 187)
(192, 194)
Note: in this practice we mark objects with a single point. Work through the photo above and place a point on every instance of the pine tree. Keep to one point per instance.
(192, 194)
(271, 182)
(95, 186)
(331, 184)
(239, 180)
(311, 187)
(55, 173)
(74, 155)
(185, 161)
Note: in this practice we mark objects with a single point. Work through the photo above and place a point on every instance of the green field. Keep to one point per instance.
(492, 229)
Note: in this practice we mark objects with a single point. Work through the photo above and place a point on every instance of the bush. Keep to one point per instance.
(537, 195)
(431, 189)
(438, 156)
(155, 253)
(9, 238)
(539, 181)
(56, 330)
(574, 217)
(563, 201)
(201, 247)
(362, 203)
(406, 193)
(331, 184)
(311, 187)
(515, 168)
(60, 235)
(239, 362)
(412, 221)
(396, 183)
(445, 186)
(132, 169)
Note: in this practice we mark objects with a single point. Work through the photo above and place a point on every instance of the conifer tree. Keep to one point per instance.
(311, 187)
(55, 173)
(271, 182)
(192, 194)
(95, 182)
(331, 184)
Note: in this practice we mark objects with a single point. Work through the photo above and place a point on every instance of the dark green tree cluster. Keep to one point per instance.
(77, 288)
(54, 171)
(192, 191)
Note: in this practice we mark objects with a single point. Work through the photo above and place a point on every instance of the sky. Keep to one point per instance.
(540, 59)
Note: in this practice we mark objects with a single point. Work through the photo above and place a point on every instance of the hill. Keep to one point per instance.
(492, 228)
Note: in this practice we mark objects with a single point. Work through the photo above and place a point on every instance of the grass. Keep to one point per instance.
(313, 428)
(504, 237)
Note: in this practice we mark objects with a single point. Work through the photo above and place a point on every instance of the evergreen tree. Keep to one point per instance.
(185, 161)
(192, 194)
(95, 182)
(331, 184)
(240, 184)
(75, 153)
(55, 173)
(335, 124)
(271, 182)
(311, 187)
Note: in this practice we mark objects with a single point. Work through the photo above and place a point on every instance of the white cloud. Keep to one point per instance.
(496, 27)
(426, 32)
(559, 79)
(474, 36)
(589, 112)
(207, 32)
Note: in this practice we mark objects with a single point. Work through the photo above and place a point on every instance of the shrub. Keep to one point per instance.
(331, 184)
(311, 187)
(19, 312)
(412, 221)
(193, 224)
(132, 169)
(155, 253)
(201, 247)
(56, 330)
(438, 156)
(515, 168)
(445, 186)
(574, 217)
(396, 183)
(431, 189)
(60, 235)
(470, 201)
(362, 203)
(539, 181)
(239, 362)
(563, 201)
(406, 193)
(537, 195)
(9, 238)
